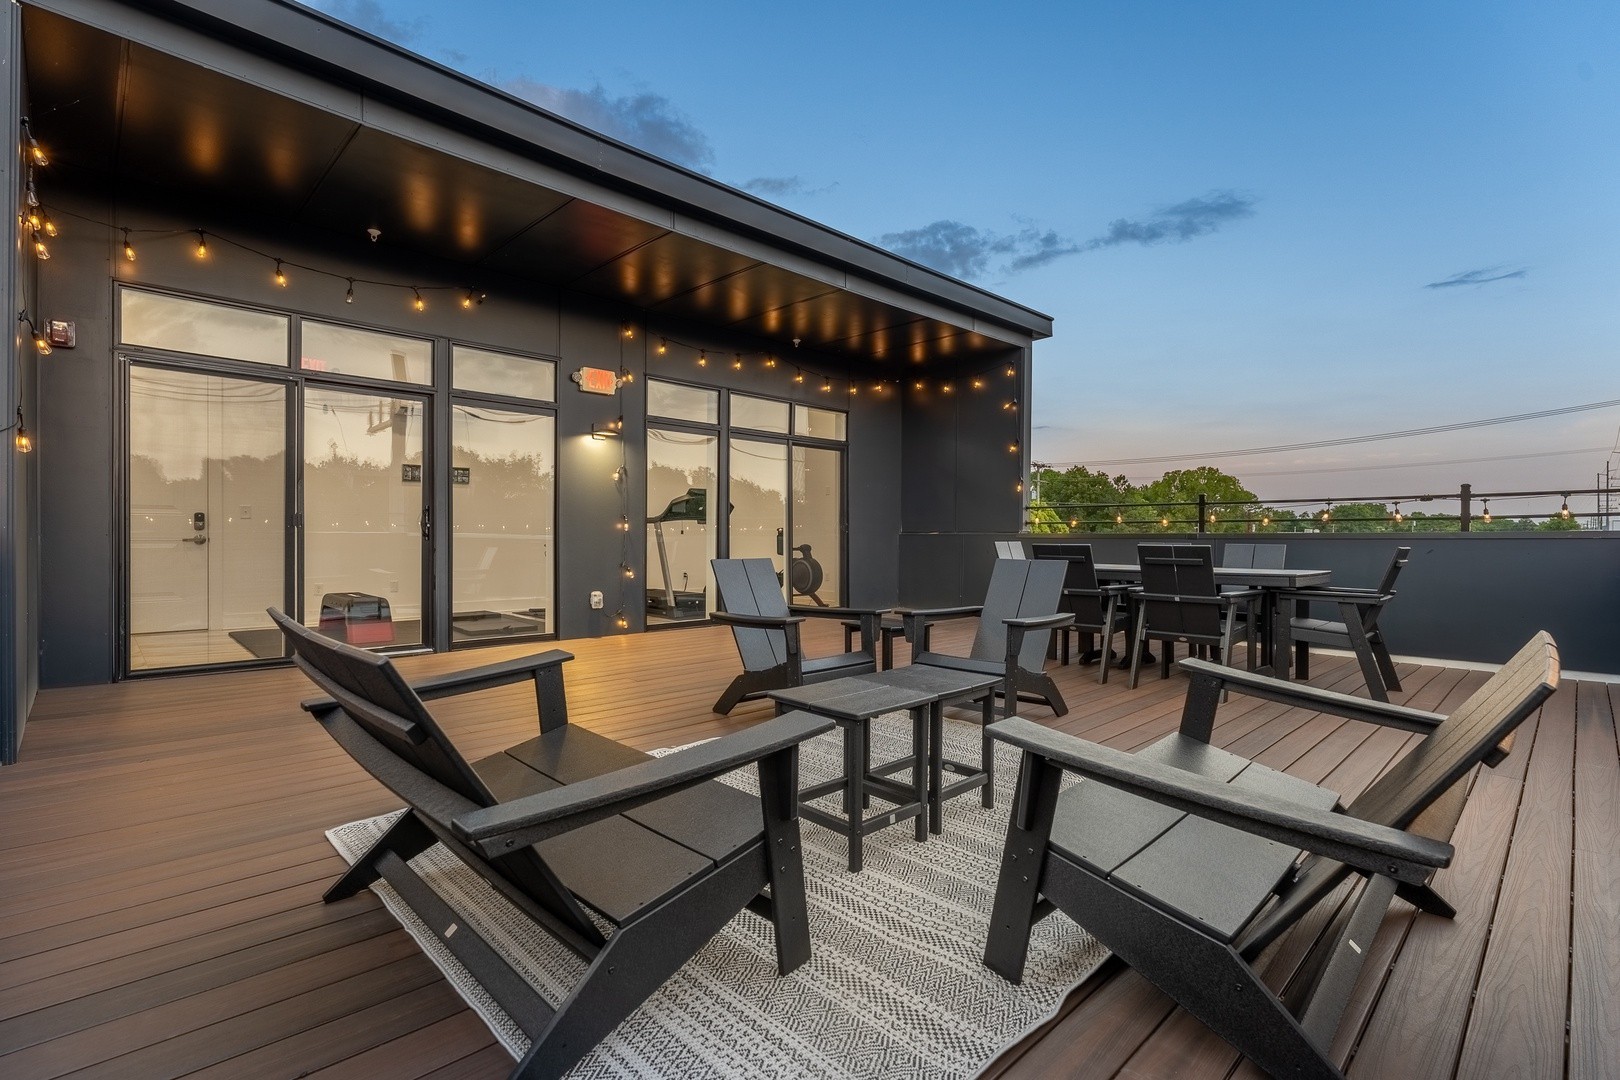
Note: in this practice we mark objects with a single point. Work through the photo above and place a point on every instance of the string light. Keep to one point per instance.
(703, 358)
(1012, 447)
(1212, 517)
(1019, 486)
(918, 385)
(826, 386)
(624, 523)
(418, 303)
(1265, 519)
(1327, 512)
(1010, 406)
(978, 384)
(129, 248)
(770, 361)
(1397, 511)
(23, 440)
(663, 346)
(620, 621)
(628, 331)
(348, 297)
(1563, 511)
(1119, 519)
(626, 375)
(629, 571)
(798, 377)
(41, 252)
(1073, 522)
(736, 361)
(948, 387)
(1486, 517)
(34, 149)
(202, 244)
(1164, 522)
(41, 342)
(281, 275)
(32, 219)
(50, 226)
(1011, 371)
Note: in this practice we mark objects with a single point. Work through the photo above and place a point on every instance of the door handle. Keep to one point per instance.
(194, 540)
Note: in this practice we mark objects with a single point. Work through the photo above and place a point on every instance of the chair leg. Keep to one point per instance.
(1302, 660)
(1369, 664)
(1136, 651)
(779, 799)
(407, 838)
(1386, 666)
(733, 695)
(1012, 916)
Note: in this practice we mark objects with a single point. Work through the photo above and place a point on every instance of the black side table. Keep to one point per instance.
(944, 686)
(852, 703)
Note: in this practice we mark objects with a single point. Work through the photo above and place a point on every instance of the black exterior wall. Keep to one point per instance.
(80, 411)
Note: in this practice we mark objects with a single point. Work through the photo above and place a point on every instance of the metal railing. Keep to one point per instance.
(1385, 513)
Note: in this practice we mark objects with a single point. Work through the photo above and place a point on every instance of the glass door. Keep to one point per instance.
(681, 474)
(816, 569)
(366, 526)
(207, 534)
(758, 522)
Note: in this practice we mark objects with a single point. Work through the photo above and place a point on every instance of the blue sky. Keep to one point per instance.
(1254, 223)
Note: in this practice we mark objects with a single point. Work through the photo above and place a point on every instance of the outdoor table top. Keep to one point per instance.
(940, 683)
(861, 697)
(1254, 577)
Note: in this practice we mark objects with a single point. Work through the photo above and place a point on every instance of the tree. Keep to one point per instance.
(1363, 517)
(1090, 500)
(1225, 497)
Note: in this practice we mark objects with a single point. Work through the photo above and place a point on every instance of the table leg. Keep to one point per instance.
(856, 789)
(866, 742)
(987, 752)
(919, 767)
(1282, 645)
(888, 648)
(936, 767)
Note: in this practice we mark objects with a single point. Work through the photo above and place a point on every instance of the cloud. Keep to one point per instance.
(645, 120)
(1478, 277)
(1176, 224)
(966, 252)
(776, 187)
(370, 16)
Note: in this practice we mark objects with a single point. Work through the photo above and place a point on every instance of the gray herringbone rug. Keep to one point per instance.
(895, 987)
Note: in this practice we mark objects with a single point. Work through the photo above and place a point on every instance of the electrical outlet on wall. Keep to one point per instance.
(596, 599)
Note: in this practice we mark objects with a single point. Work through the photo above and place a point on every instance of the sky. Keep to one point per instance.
(1254, 224)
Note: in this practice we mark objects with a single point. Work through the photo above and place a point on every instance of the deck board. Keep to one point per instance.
(161, 872)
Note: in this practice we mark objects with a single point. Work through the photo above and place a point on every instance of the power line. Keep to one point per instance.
(1350, 440)
(1426, 464)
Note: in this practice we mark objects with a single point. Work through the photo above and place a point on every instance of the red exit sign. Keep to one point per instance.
(594, 380)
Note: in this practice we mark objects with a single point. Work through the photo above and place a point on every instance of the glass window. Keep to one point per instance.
(487, 372)
(503, 465)
(818, 423)
(760, 414)
(682, 402)
(195, 326)
(348, 350)
(681, 533)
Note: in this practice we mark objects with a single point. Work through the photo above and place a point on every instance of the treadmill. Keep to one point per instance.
(670, 602)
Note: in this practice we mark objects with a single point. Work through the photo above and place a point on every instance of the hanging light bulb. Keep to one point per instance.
(1011, 371)
(1265, 519)
(877, 388)
(1563, 511)
(629, 571)
(129, 248)
(33, 219)
(621, 622)
(663, 346)
(281, 275)
(1010, 406)
(24, 441)
(348, 296)
(736, 361)
(41, 342)
(978, 384)
(31, 194)
(918, 385)
(50, 226)
(826, 386)
(1119, 518)
(41, 252)
(1327, 512)
(418, 303)
(624, 523)
(1486, 516)
(628, 331)
(770, 361)
(948, 387)
(202, 244)
(36, 152)
(1212, 517)
(1164, 522)
(798, 377)
(1073, 522)
(1019, 486)
(703, 358)
(1398, 512)
(1012, 447)
(853, 389)
(626, 375)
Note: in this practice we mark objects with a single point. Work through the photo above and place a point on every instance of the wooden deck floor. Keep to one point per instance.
(162, 859)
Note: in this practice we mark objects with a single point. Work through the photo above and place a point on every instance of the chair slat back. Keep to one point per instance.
(1270, 556)
(1464, 738)
(372, 691)
(1019, 589)
(750, 587)
(1171, 571)
(1238, 556)
(1399, 560)
(1085, 600)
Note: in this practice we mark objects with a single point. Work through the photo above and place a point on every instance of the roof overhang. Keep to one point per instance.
(273, 105)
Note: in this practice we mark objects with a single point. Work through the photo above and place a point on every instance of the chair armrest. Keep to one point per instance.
(486, 676)
(1040, 622)
(763, 622)
(1303, 696)
(836, 612)
(1243, 594)
(470, 680)
(1376, 849)
(498, 830)
(930, 614)
(1333, 592)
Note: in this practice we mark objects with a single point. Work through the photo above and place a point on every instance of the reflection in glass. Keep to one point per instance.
(487, 372)
(502, 471)
(816, 573)
(364, 494)
(349, 350)
(207, 517)
(194, 326)
(818, 423)
(681, 470)
(759, 414)
(759, 501)
(678, 402)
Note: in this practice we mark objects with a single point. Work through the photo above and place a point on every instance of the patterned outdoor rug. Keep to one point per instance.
(895, 986)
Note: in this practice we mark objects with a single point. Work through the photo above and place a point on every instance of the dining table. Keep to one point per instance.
(1275, 644)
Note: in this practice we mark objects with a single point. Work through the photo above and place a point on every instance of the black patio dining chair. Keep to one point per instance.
(1356, 629)
(766, 630)
(1100, 611)
(1179, 601)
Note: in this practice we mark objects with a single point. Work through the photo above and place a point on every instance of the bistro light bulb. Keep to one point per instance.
(24, 441)
(40, 250)
(703, 358)
(281, 275)
(622, 622)
(948, 387)
(38, 154)
(736, 361)
(1019, 486)
(348, 297)
(978, 384)
(1265, 519)
(826, 386)
(418, 303)
(33, 219)
(770, 361)
(1165, 522)
(50, 226)
(628, 331)
(1486, 517)
(663, 346)
(129, 248)
(467, 302)
(1011, 371)
(1119, 519)
(42, 343)
(202, 244)
(1563, 511)
(1397, 513)
(798, 376)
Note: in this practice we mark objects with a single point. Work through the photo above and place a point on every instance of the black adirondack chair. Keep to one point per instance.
(1180, 602)
(1101, 610)
(1182, 858)
(1356, 628)
(1021, 608)
(1255, 556)
(567, 826)
(766, 631)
